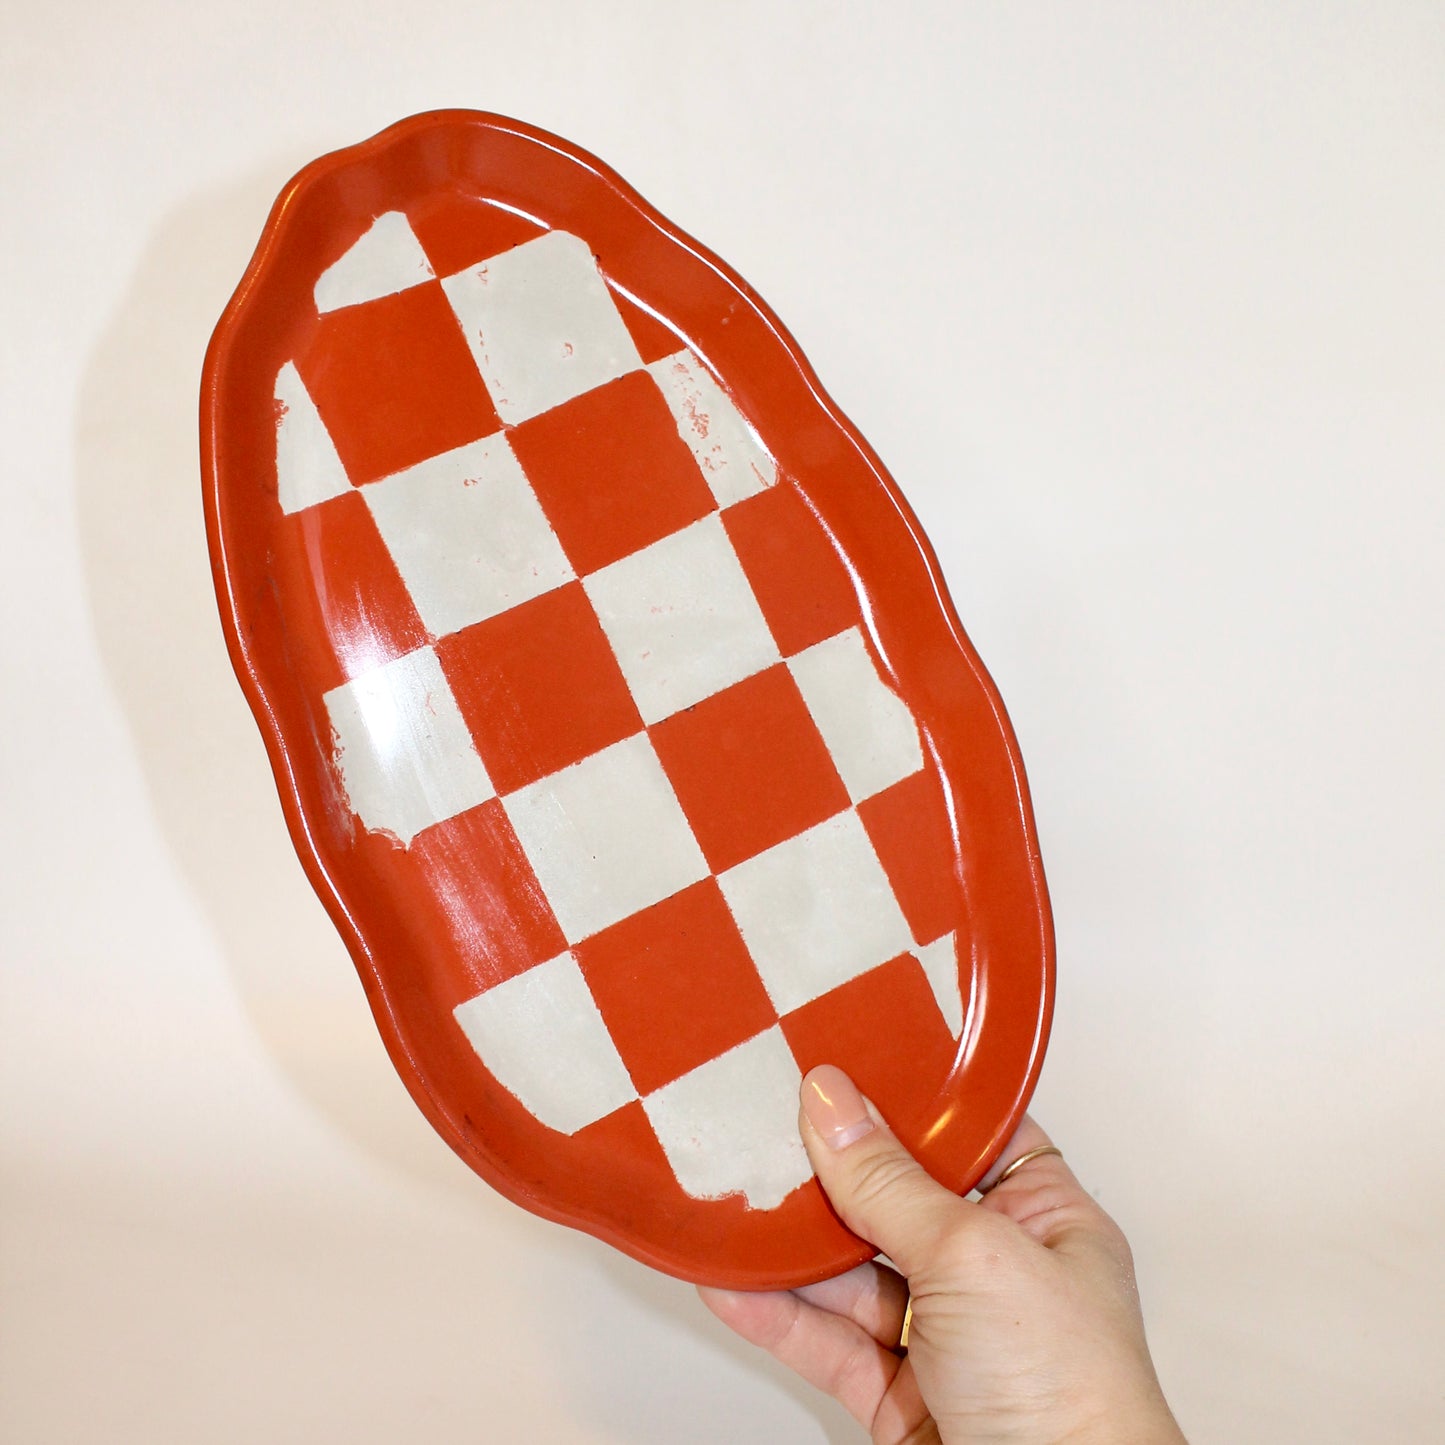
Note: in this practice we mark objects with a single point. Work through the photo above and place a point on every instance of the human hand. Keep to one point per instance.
(1025, 1326)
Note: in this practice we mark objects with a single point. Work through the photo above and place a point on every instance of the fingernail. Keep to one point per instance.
(834, 1107)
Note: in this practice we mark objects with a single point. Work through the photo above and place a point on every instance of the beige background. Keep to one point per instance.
(1143, 306)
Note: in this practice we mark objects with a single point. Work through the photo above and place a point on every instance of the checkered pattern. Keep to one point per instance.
(591, 607)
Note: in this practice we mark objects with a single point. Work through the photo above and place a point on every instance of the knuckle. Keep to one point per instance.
(966, 1246)
(782, 1329)
(1114, 1237)
(1115, 1241)
(879, 1176)
(848, 1365)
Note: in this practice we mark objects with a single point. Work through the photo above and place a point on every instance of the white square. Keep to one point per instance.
(729, 453)
(939, 960)
(816, 911)
(543, 1038)
(867, 726)
(682, 619)
(731, 1126)
(386, 259)
(606, 837)
(467, 534)
(308, 470)
(541, 324)
(404, 754)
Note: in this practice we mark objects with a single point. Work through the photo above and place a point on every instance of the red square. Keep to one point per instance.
(395, 383)
(908, 824)
(459, 231)
(347, 608)
(676, 985)
(539, 687)
(749, 767)
(611, 471)
(885, 1031)
(471, 905)
(801, 584)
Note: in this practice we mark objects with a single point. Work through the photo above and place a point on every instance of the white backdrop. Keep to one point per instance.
(1143, 306)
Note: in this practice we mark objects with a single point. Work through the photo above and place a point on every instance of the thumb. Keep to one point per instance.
(879, 1190)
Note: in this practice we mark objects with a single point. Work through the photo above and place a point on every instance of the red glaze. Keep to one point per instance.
(308, 599)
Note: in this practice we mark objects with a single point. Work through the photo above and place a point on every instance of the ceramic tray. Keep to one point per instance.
(619, 713)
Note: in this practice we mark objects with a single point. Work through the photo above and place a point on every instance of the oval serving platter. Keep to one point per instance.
(618, 710)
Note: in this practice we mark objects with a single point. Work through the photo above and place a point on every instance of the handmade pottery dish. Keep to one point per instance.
(617, 707)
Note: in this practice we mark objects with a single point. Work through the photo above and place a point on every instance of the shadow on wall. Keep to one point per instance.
(155, 618)
(154, 614)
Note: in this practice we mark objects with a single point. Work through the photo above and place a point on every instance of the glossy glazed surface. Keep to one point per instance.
(620, 716)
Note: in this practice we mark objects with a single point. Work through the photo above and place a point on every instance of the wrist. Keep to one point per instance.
(1136, 1422)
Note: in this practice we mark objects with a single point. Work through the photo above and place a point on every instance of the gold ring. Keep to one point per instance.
(907, 1325)
(1020, 1162)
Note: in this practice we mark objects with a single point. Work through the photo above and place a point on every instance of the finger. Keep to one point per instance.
(879, 1190)
(871, 1296)
(831, 1353)
(1042, 1195)
(1027, 1138)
